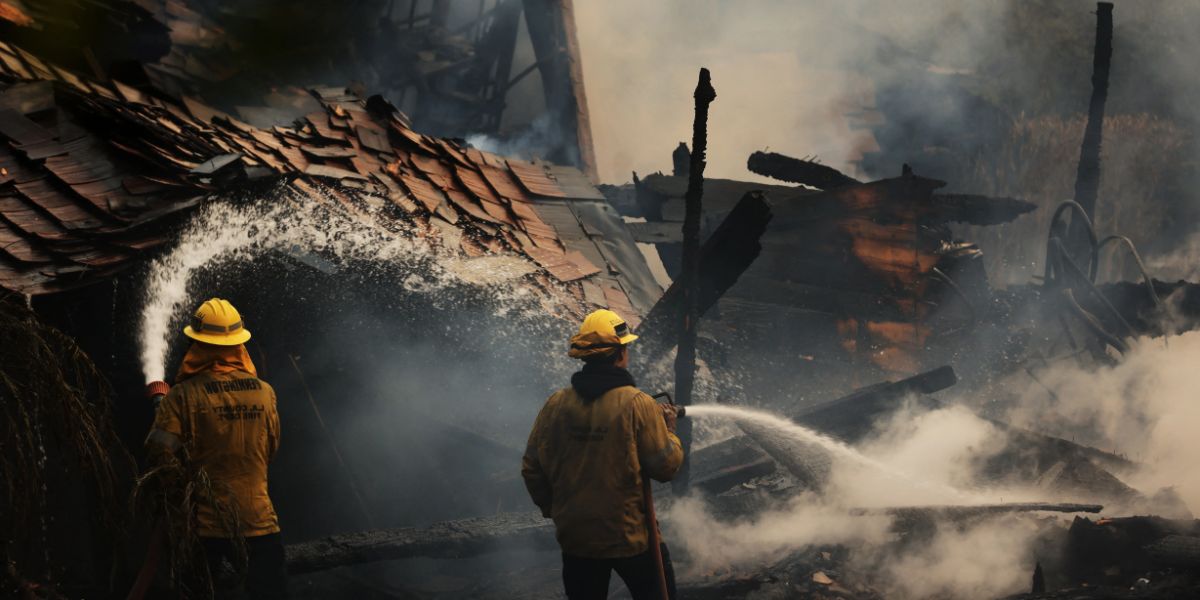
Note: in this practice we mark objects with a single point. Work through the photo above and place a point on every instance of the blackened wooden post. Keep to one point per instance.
(1087, 177)
(685, 359)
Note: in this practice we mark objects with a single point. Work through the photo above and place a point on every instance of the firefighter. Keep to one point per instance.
(222, 418)
(590, 447)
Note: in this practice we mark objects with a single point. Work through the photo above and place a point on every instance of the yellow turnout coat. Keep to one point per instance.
(584, 463)
(226, 419)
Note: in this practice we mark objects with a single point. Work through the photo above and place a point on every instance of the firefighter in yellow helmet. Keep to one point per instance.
(222, 418)
(590, 447)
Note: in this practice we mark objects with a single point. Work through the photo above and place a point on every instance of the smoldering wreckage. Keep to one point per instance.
(124, 196)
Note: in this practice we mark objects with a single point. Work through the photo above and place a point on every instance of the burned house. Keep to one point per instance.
(851, 278)
(101, 176)
(405, 405)
(457, 68)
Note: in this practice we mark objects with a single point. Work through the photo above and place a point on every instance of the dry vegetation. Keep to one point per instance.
(55, 430)
(168, 494)
(1036, 161)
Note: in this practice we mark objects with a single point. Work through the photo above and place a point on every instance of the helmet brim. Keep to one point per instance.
(238, 338)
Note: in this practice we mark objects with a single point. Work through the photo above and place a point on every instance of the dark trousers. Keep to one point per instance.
(587, 578)
(266, 571)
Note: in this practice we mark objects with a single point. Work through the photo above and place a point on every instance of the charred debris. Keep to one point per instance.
(101, 167)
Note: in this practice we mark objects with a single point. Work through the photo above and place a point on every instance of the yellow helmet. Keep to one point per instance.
(600, 333)
(217, 322)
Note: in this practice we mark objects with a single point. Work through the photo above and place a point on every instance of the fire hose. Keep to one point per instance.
(155, 391)
(652, 516)
(655, 542)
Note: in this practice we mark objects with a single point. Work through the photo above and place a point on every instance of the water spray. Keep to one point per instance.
(833, 447)
(222, 232)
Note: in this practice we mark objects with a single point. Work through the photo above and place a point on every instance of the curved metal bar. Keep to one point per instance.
(1093, 324)
(1072, 268)
(1137, 259)
(1079, 212)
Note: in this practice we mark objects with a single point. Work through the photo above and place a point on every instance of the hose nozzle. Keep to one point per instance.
(155, 390)
(680, 411)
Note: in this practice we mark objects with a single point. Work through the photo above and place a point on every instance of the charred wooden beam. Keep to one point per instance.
(1110, 549)
(959, 513)
(974, 209)
(449, 539)
(723, 465)
(735, 461)
(501, 41)
(551, 25)
(1176, 551)
(850, 417)
(923, 522)
(796, 170)
(726, 254)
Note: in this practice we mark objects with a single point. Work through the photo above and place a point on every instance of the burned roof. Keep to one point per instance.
(95, 174)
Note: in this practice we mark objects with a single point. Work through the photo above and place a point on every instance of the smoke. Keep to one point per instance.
(529, 143)
(776, 86)
(945, 86)
(804, 521)
(1178, 264)
(1143, 408)
(938, 450)
(798, 78)
(988, 559)
(942, 447)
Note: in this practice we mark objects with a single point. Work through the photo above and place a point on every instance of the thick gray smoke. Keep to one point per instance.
(988, 96)
(1144, 408)
(788, 74)
(796, 76)
(936, 452)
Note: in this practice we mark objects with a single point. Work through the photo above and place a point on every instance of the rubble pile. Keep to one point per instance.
(829, 303)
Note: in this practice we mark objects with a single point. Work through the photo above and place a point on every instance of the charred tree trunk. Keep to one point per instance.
(685, 359)
(1087, 176)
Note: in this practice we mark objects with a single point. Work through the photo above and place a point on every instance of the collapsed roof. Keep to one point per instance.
(95, 174)
(456, 67)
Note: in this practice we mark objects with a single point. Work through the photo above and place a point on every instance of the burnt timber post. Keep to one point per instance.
(555, 43)
(1087, 176)
(505, 25)
(685, 357)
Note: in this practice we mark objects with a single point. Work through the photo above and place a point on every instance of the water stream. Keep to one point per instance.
(234, 234)
(837, 449)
